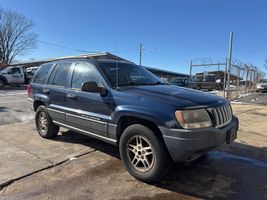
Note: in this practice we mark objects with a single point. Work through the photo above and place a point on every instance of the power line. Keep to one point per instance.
(65, 47)
(81, 50)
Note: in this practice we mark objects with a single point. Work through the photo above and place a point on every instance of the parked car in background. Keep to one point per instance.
(180, 81)
(16, 75)
(121, 103)
(30, 71)
(208, 82)
(262, 85)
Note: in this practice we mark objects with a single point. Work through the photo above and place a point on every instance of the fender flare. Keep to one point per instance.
(141, 113)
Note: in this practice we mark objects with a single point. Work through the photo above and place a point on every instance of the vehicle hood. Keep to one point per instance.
(263, 84)
(179, 96)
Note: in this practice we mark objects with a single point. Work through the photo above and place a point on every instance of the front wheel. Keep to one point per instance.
(2, 84)
(143, 154)
(44, 125)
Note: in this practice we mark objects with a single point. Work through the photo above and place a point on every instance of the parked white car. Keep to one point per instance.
(30, 71)
(12, 75)
(262, 85)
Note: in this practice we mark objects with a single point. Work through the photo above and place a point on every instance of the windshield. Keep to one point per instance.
(128, 75)
(263, 81)
(5, 70)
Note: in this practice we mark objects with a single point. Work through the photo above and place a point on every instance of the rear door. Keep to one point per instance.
(56, 90)
(87, 110)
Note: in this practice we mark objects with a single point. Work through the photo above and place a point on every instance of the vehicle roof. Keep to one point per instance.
(89, 59)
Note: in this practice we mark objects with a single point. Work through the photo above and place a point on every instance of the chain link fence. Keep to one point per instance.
(213, 76)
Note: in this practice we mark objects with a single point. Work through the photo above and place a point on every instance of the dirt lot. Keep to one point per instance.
(76, 167)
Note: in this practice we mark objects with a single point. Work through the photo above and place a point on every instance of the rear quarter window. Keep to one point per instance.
(42, 74)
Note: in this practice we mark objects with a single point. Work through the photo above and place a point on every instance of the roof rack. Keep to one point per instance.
(96, 56)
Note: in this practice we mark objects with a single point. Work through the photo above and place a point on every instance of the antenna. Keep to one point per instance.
(117, 68)
(117, 74)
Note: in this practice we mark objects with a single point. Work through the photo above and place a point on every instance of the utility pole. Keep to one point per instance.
(238, 79)
(224, 77)
(140, 54)
(246, 83)
(190, 77)
(229, 63)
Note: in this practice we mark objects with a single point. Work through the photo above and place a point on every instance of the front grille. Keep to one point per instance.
(222, 115)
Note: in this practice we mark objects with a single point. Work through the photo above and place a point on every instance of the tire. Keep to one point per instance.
(2, 84)
(44, 125)
(148, 168)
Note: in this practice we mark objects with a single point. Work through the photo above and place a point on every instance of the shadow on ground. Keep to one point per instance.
(238, 171)
(14, 87)
(4, 109)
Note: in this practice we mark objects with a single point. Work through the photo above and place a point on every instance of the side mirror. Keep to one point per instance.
(93, 87)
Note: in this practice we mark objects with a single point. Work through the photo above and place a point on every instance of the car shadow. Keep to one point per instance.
(237, 171)
(4, 109)
(77, 138)
(15, 87)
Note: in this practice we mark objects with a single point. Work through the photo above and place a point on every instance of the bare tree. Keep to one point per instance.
(16, 36)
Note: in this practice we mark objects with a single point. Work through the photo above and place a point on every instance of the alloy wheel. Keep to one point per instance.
(140, 153)
(42, 122)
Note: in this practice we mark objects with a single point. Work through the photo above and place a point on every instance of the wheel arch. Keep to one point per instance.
(38, 103)
(127, 120)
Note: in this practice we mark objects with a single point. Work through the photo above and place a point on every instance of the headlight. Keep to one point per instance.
(258, 85)
(190, 119)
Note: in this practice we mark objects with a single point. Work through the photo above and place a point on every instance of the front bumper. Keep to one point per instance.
(186, 145)
(261, 88)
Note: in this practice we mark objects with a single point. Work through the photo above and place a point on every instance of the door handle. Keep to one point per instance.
(71, 96)
(46, 91)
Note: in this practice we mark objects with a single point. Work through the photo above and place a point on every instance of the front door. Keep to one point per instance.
(87, 110)
(15, 75)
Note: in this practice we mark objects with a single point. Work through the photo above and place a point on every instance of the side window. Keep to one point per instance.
(14, 70)
(83, 72)
(41, 75)
(61, 74)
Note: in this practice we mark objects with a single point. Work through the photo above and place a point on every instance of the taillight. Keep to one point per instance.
(29, 90)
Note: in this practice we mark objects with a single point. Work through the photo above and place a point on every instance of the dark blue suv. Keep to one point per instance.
(123, 104)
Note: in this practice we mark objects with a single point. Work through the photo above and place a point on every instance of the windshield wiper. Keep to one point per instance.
(155, 83)
(128, 84)
(138, 84)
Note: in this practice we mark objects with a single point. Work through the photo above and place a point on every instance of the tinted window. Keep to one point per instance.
(61, 74)
(42, 74)
(52, 75)
(84, 72)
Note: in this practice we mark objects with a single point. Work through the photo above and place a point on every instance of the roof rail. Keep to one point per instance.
(96, 56)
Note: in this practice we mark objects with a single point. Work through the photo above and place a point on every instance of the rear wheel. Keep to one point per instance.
(2, 84)
(44, 125)
(143, 154)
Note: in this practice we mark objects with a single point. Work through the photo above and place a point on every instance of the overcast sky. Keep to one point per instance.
(172, 32)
